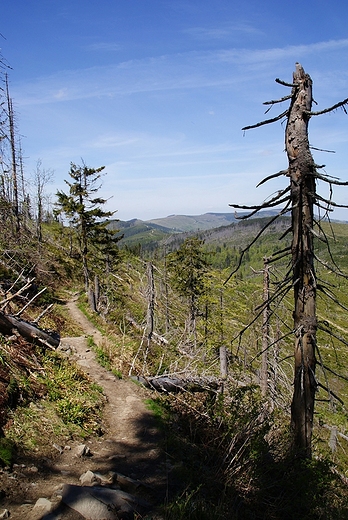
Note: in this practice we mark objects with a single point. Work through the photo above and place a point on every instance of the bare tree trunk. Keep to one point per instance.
(166, 291)
(150, 303)
(302, 183)
(303, 173)
(96, 290)
(15, 200)
(265, 331)
(223, 362)
(91, 299)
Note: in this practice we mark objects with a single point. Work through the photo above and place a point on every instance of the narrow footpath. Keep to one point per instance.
(120, 475)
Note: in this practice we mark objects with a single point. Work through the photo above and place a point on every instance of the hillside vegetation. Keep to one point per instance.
(235, 441)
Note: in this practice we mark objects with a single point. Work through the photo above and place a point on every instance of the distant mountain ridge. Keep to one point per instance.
(182, 223)
(136, 230)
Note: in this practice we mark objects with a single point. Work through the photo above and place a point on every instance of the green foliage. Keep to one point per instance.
(102, 358)
(159, 409)
(7, 451)
(77, 401)
(192, 505)
(83, 210)
(188, 266)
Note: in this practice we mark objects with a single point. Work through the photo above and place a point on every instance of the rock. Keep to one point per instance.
(83, 451)
(96, 503)
(58, 448)
(108, 480)
(127, 483)
(40, 509)
(89, 479)
(64, 346)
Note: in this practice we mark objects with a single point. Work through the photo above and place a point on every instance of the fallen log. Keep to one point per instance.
(174, 384)
(28, 331)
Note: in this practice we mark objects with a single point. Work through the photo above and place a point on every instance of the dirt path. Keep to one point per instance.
(129, 445)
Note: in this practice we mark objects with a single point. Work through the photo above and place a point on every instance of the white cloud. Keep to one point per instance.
(183, 71)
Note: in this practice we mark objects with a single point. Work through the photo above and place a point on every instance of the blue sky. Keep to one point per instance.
(158, 92)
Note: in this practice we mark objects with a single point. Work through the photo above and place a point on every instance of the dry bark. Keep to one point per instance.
(299, 198)
(302, 171)
(28, 331)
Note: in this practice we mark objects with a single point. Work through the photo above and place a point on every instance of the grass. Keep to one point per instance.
(7, 451)
(235, 468)
(72, 407)
(226, 463)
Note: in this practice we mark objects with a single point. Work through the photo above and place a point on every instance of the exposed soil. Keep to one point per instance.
(129, 444)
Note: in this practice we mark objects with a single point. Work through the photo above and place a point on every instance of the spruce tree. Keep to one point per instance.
(84, 211)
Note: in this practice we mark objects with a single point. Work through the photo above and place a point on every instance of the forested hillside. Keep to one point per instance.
(203, 318)
(156, 326)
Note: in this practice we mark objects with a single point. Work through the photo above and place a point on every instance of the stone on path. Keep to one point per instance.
(89, 479)
(40, 509)
(99, 503)
(83, 451)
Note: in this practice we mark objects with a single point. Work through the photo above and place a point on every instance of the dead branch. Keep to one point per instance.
(286, 232)
(345, 378)
(273, 176)
(29, 302)
(280, 295)
(331, 333)
(331, 296)
(253, 242)
(42, 314)
(330, 180)
(160, 340)
(330, 109)
(279, 254)
(20, 277)
(285, 84)
(18, 293)
(174, 385)
(324, 238)
(330, 202)
(337, 271)
(267, 121)
(321, 150)
(275, 201)
(323, 369)
(330, 392)
(274, 101)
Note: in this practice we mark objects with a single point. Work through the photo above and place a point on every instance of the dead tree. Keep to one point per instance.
(265, 331)
(150, 303)
(299, 198)
(12, 139)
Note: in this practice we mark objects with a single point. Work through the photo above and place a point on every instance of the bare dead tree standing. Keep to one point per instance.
(150, 303)
(299, 198)
(12, 139)
(265, 330)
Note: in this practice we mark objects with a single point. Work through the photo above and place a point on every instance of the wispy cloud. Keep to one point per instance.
(224, 32)
(279, 53)
(179, 71)
(104, 46)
